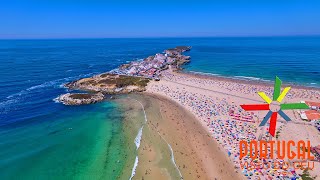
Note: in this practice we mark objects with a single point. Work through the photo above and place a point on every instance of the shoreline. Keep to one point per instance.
(258, 81)
(127, 78)
(211, 158)
(153, 154)
(135, 76)
(210, 100)
(200, 107)
(175, 144)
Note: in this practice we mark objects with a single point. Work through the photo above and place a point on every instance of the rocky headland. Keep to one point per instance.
(110, 84)
(132, 77)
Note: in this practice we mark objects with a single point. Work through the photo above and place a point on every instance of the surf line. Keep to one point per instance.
(170, 148)
(172, 155)
(137, 140)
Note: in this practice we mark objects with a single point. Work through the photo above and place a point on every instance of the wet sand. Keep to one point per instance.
(176, 140)
(132, 122)
(196, 155)
(211, 100)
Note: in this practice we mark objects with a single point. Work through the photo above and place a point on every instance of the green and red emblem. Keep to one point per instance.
(274, 107)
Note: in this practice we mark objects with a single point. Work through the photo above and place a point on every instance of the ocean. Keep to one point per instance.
(42, 139)
(294, 60)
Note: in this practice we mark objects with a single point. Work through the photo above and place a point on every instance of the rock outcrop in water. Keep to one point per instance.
(80, 98)
(132, 77)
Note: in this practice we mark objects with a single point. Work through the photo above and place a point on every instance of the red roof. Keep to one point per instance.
(312, 114)
(309, 103)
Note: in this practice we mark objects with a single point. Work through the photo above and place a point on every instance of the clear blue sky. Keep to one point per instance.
(155, 18)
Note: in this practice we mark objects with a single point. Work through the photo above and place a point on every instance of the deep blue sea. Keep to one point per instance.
(34, 129)
(294, 59)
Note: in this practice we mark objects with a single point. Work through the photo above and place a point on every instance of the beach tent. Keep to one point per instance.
(303, 116)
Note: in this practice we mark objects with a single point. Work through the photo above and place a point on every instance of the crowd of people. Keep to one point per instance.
(230, 85)
(214, 111)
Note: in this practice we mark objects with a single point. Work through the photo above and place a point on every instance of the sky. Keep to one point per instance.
(32, 19)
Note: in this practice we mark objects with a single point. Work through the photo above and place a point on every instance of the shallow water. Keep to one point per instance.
(43, 139)
(71, 145)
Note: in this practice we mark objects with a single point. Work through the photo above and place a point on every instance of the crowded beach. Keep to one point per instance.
(215, 102)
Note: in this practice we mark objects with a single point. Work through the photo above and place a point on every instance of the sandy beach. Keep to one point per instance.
(175, 145)
(190, 125)
(200, 117)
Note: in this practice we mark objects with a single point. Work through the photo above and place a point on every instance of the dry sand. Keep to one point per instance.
(196, 155)
(230, 92)
(183, 126)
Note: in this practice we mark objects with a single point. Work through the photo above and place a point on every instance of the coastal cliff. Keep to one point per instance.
(132, 77)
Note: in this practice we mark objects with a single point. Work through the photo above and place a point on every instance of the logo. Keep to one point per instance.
(274, 106)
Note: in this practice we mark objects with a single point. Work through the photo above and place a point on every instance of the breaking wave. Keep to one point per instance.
(17, 97)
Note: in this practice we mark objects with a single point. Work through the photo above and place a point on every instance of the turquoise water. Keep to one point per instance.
(46, 140)
(80, 143)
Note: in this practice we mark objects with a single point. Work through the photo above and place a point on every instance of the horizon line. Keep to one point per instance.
(159, 37)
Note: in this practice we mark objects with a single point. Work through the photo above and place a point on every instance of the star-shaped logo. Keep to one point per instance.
(274, 107)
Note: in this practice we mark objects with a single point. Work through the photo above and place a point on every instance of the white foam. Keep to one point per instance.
(56, 100)
(234, 77)
(134, 168)
(4, 104)
(137, 140)
(203, 73)
(16, 94)
(16, 97)
(247, 77)
(43, 85)
(144, 112)
(173, 161)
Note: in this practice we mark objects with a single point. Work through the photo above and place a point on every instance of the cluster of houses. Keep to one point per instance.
(152, 66)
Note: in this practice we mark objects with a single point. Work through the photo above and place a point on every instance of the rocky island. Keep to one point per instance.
(131, 77)
(80, 98)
